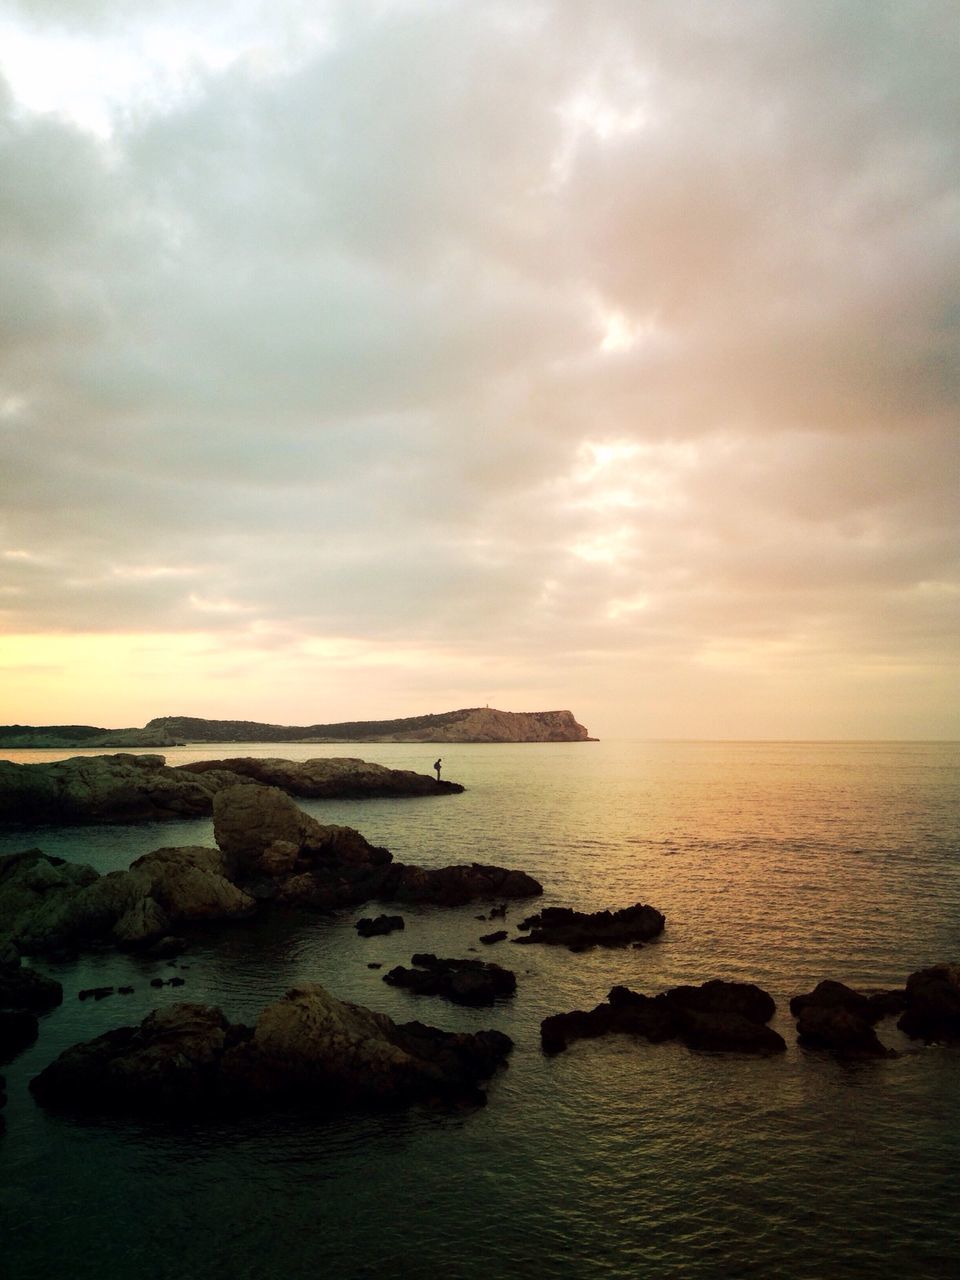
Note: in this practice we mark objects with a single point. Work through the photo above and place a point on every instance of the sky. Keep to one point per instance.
(378, 358)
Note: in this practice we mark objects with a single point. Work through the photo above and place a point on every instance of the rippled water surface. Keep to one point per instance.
(777, 863)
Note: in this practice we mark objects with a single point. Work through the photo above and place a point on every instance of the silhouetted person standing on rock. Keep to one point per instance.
(436, 765)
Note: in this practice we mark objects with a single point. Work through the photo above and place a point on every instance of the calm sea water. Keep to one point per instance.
(780, 863)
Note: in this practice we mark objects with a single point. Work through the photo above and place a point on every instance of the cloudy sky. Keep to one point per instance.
(388, 356)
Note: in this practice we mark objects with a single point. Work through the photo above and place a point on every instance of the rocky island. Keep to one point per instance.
(469, 724)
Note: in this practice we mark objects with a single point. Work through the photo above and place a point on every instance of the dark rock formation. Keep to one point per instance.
(47, 904)
(717, 1016)
(462, 981)
(835, 1017)
(321, 779)
(497, 936)
(270, 851)
(372, 927)
(832, 995)
(22, 988)
(280, 852)
(933, 1004)
(96, 993)
(131, 788)
(18, 1030)
(578, 930)
(116, 788)
(307, 1049)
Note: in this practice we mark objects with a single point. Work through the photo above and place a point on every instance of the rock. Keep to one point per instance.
(109, 788)
(168, 946)
(499, 913)
(839, 1029)
(497, 936)
(372, 928)
(374, 964)
(717, 1016)
(455, 886)
(175, 982)
(578, 930)
(18, 1030)
(933, 1004)
(156, 982)
(306, 1049)
(22, 988)
(48, 905)
(832, 995)
(325, 779)
(833, 1016)
(97, 993)
(884, 1004)
(270, 852)
(263, 833)
(463, 981)
(125, 991)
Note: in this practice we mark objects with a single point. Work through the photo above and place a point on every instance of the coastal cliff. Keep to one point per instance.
(469, 724)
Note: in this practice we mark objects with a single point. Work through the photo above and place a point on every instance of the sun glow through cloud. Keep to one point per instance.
(466, 351)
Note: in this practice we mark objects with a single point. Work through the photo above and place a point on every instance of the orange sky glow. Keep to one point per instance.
(366, 360)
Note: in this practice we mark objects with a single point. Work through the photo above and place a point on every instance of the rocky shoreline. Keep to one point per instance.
(269, 851)
(312, 1050)
(136, 788)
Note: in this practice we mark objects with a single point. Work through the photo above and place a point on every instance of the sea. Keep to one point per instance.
(780, 863)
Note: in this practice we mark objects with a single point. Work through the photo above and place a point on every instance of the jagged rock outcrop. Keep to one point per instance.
(717, 1016)
(131, 788)
(578, 930)
(115, 788)
(270, 851)
(49, 905)
(337, 778)
(835, 1017)
(470, 982)
(285, 855)
(307, 1049)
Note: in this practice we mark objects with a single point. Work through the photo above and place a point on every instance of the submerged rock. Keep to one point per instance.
(717, 1016)
(334, 778)
(499, 935)
(578, 930)
(373, 927)
(469, 982)
(307, 1049)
